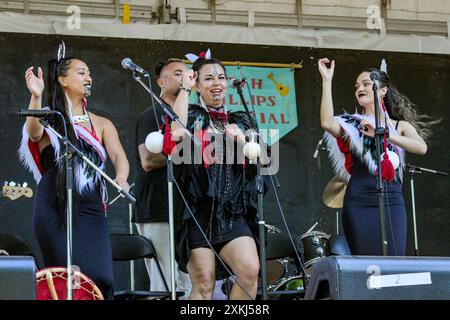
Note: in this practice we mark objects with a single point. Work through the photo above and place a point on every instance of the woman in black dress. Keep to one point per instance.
(219, 188)
(350, 137)
(69, 83)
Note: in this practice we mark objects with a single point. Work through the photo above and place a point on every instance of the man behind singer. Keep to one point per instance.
(152, 211)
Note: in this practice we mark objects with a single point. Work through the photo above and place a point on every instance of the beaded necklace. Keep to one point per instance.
(221, 173)
(218, 124)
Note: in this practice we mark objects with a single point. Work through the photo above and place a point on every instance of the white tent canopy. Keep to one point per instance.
(387, 25)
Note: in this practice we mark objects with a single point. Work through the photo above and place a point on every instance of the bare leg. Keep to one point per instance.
(202, 268)
(242, 257)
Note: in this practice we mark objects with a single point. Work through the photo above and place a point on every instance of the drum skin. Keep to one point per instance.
(51, 284)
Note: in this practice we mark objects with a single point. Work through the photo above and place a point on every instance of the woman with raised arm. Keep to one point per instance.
(69, 84)
(219, 188)
(350, 137)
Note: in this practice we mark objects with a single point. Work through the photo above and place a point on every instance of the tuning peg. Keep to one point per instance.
(12, 184)
(24, 184)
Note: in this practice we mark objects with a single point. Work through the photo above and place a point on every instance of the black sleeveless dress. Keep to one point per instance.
(91, 244)
(354, 158)
(361, 214)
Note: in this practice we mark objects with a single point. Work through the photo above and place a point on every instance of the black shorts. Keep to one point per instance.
(238, 228)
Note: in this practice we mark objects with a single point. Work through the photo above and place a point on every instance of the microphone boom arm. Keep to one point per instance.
(318, 148)
(86, 159)
(420, 169)
(172, 115)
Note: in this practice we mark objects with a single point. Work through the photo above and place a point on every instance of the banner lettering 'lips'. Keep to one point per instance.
(271, 92)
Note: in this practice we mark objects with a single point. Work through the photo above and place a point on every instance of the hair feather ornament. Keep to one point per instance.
(383, 66)
(193, 57)
(61, 51)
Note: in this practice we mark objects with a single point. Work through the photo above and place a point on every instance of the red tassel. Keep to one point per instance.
(168, 143)
(387, 169)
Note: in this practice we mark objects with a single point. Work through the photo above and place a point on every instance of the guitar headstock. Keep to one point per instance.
(13, 191)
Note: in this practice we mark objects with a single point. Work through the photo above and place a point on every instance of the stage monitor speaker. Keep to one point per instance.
(17, 278)
(380, 278)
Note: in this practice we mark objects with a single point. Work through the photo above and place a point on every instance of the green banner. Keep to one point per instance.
(270, 92)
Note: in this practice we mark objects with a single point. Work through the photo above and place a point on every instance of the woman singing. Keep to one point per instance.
(219, 189)
(69, 84)
(353, 155)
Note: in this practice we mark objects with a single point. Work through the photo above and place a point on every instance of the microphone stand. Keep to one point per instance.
(170, 178)
(261, 222)
(70, 149)
(379, 134)
(130, 230)
(413, 170)
(260, 193)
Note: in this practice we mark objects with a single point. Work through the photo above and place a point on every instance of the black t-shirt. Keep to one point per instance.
(151, 187)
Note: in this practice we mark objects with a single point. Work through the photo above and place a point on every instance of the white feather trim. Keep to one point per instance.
(82, 182)
(25, 156)
(337, 158)
(356, 146)
(87, 136)
(191, 57)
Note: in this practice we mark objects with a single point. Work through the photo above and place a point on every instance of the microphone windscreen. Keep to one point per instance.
(125, 63)
(154, 142)
(252, 150)
(374, 75)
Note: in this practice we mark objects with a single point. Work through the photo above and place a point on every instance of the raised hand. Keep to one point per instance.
(34, 84)
(189, 77)
(233, 131)
(367, 128)
(326, 73)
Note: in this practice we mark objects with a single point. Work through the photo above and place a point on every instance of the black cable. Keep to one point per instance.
(305, 277)
(251, 100)
(157, 128)
(153, 101)
(277, 197)
(208, 242)
(64, 124)
(389, 217)
(386, 195)
(277, 187)
(190, 211)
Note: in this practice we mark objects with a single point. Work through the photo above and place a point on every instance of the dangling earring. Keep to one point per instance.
(69, 106)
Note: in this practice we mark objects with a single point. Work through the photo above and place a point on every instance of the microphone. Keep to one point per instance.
(236, 82)
(37, 113)
(419, 169)
(375, 77)
(316, 152)
(127, 63)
